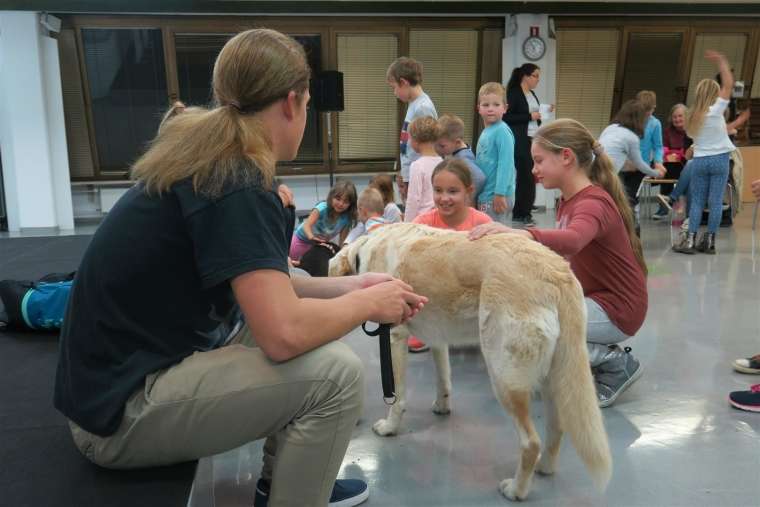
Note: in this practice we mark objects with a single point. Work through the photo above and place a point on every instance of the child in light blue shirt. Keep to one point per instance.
(332, 217)
(495, 154)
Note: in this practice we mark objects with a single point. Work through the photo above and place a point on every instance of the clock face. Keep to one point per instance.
(534, 48)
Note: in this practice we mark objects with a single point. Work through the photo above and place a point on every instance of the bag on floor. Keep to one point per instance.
(35, 306)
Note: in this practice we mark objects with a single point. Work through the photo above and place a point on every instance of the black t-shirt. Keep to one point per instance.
(153, 287)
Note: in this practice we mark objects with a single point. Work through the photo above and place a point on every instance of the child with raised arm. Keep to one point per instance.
(405, 77)
(597, 236)
(709, 168)
(495, 154)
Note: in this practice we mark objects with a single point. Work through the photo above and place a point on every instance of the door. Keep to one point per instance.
(653, 61)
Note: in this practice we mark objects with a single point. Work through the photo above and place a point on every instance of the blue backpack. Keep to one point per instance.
(36, 306)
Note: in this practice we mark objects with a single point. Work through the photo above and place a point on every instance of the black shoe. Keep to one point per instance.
(521, 222)
(686, 246)
(746, 400)
(707, 243)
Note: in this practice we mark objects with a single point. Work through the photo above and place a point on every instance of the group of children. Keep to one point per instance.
(440, 178)
(699, 136)
(445, 185)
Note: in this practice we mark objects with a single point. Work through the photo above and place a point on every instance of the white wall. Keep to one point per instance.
(32, 130)
(512, 56)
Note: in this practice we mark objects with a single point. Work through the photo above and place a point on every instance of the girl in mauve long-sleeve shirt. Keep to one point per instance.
(596, 235)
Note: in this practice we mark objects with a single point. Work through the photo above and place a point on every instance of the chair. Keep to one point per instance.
(645, 192)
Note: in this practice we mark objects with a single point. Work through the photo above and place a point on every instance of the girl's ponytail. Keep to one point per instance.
(228, 142)
(567, 133)
(603, 173)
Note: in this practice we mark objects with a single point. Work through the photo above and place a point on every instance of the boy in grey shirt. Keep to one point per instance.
(405, 77)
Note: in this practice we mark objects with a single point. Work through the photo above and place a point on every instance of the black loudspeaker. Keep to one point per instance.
(328, 91)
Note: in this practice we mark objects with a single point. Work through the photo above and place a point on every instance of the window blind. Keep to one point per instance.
(75, 114)
(450, 64)
(586, 65)
(755, 92)
(368, 128)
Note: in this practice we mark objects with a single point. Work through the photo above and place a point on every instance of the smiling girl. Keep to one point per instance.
(334, 216)
(452, 194)
(452, 190)
(596, 235)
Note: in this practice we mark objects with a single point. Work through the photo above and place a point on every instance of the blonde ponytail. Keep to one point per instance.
(228, 143)
(602, 173)
(706, 93)
(567, 133)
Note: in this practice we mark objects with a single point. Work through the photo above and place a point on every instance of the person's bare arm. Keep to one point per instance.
(286, 326)
(756, 189)
(332, 287)
(726, 78)
(738, 123)
(310, 221)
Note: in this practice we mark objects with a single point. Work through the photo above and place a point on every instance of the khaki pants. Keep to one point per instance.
(218, 400)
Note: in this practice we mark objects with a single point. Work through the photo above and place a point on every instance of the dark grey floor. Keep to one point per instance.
(29, 258)
(675, 440)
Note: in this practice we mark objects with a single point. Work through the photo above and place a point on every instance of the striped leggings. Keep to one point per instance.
(709, 176)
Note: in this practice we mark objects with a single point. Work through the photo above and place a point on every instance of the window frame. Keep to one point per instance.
(326, 27)
(691, 27)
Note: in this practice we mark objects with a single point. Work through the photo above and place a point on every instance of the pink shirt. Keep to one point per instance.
(433, 219)
(419, 197)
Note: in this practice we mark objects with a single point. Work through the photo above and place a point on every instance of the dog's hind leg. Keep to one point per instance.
(442, 405)
(389, 426)
(517, 351)
(518, 403)
(553, 437)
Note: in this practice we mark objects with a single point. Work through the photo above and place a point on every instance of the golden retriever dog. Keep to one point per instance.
(521, 302)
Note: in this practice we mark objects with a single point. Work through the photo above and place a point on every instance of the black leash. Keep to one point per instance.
(386, 361)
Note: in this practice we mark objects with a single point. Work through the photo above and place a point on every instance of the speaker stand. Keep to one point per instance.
(330, 161)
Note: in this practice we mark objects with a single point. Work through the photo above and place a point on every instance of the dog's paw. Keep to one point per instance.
(442, 406)
(508, 489)
(385, 428)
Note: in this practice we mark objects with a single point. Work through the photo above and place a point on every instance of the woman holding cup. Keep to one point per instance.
(524, 115)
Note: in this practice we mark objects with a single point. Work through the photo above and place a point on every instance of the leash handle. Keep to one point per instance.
(386, 361)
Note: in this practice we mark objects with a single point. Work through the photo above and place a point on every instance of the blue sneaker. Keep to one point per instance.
(345, 493)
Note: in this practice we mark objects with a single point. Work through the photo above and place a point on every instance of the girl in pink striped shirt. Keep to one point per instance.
(419, 198)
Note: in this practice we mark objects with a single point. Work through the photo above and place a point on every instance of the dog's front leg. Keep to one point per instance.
(389, 426)
(442, 405)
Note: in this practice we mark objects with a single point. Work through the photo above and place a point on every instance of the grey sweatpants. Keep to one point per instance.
(600, 328)
(218, 400)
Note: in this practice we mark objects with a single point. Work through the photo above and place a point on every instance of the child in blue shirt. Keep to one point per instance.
(651, 143)
(495, 154)
(334, 216)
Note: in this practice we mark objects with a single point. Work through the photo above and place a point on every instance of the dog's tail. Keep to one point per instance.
(572, 387)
